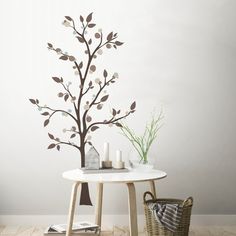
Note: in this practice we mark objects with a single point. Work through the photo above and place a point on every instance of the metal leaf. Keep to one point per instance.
(133, 105)
(105, 73)
(81, 40)
(89, 17)
(56, 79)
(89, 118)
(109, 36)
(81, 65)
(99, 106)
(52, 145)
(94, 128)
(32, 101)
(50, 136)
(118, 43)
(64, 57)
(104, 98)
(113, 112)
(46, 122)
(81, 18)
(66, 97)
(68, 18)
(119, 125)
(91, 25)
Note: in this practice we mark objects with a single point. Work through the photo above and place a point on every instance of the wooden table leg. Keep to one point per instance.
(153, 188)
(98, 212)
(72, 208)
(132, 210)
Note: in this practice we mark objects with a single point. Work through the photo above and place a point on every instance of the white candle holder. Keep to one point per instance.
(119, 165)
(106, 164)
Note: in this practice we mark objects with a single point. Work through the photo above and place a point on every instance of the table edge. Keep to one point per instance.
(134, 181)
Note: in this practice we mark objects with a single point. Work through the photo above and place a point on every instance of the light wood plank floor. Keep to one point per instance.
(117, 231)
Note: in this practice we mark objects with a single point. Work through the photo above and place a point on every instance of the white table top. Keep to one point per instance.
(126, 177)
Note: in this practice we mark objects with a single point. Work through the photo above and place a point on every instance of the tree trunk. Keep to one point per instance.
(84, 196)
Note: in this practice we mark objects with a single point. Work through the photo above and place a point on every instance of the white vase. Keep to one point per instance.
(139, 167)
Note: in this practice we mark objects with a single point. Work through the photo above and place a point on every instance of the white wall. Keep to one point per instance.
(177, 54)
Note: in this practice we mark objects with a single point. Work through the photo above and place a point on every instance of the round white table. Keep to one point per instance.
(128, 178)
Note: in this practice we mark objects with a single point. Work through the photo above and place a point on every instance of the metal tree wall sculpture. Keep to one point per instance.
(84, 124)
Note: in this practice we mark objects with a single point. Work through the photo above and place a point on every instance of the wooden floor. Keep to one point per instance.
(117, 231)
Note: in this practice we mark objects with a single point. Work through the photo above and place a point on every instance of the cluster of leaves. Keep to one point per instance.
(54, 145)
(64, 55)
(84, 120)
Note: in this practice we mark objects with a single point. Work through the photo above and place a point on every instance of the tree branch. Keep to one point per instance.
(111, 121)
(82, 35)
(67, 89)
(70, 144)
(80, 74)
(55, 111)
(86, 91)
(94, 102)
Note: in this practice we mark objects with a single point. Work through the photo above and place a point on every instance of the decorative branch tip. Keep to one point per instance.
(105, 73)
(69, 18)
(81, 19)
(113, 112)
(104, 98)
(133, 106)
(51, 136)
(57, 80)
(93, 128)
(118, 43)
(34, 101)
(99, 106)
(118, 125)
(81, 65)
(66, 97)
(45, 113)
(81, 40)
(109, 36)
(91, 25)
(64, 58)
(89, 17)
(46, 122)
(52, 145)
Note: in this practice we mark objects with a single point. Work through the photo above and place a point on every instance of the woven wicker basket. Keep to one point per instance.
(156, 228)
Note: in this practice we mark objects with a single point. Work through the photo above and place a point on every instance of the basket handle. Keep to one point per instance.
(146, 194)
(188, 201)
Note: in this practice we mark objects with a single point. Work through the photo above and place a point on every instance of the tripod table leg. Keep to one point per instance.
(98, 219)
(132, 210)
(153, 188)
(72, 208)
